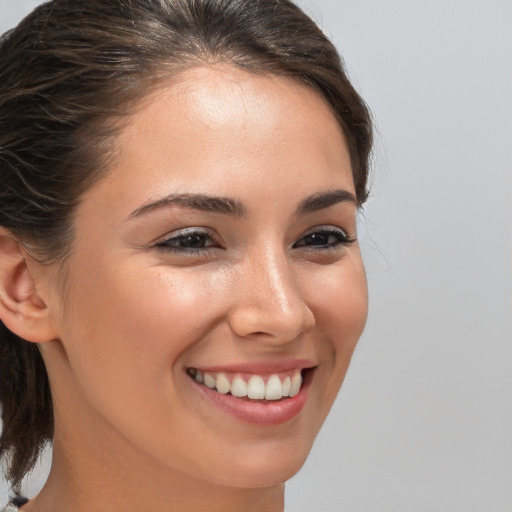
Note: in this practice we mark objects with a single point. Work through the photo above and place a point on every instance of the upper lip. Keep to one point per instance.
(261, 367)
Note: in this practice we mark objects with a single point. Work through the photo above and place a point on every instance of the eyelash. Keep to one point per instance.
(173, 243)
(341, 238)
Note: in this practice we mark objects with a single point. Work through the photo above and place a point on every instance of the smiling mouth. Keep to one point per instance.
(253, 387)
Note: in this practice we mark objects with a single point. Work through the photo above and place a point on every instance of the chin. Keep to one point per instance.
(263, 468)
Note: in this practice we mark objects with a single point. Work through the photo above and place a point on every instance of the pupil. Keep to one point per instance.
(317, 239)
(195, 241)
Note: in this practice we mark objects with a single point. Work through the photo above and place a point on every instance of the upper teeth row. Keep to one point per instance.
(254, 388)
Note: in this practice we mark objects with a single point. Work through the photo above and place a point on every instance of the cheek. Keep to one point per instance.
(126, 332)
(133, 326)
(341, 308)
(143, 313)
(341, 300)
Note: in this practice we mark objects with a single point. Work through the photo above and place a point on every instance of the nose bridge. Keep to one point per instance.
(279, 284)
(270, 300)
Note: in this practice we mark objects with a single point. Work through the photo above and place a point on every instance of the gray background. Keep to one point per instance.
(424, 420)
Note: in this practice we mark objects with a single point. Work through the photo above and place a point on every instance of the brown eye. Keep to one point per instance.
(324, 238)
(195, 241)
(188, 241)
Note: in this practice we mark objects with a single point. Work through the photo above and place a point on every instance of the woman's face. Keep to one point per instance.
(220, 248)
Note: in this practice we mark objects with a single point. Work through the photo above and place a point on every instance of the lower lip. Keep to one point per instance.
(261, 413)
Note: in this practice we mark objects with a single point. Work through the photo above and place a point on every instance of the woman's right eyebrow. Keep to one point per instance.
(201, 202)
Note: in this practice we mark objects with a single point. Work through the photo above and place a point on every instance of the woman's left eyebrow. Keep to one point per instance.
(323, 200)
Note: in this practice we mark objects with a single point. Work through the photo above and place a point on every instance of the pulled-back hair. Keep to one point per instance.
(69, 74)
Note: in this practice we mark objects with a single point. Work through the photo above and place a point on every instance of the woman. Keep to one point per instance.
(181, 285)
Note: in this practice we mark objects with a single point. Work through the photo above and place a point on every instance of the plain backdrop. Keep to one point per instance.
(424, 420)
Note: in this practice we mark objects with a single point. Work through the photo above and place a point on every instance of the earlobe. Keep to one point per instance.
(22, 310)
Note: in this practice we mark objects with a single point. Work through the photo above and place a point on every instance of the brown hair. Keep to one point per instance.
(68, 73)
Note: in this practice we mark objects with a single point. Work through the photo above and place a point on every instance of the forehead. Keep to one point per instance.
(223, 130)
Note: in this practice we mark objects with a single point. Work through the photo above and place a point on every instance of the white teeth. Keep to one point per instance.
(295, 384)
(239, 387)
(287, 382)
(274, 388)
(222, 384)
(209, 381)
(256, 388)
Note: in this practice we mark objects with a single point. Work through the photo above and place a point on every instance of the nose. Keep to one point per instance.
(269, 304)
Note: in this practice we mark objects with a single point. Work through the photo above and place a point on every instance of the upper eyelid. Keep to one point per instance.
(166, 242)
(325, 227)
(329, 228)
(186, 231)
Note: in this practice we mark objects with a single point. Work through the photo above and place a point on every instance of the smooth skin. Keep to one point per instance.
(150, 291)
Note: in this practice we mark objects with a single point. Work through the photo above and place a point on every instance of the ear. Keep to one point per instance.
(22, 310)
